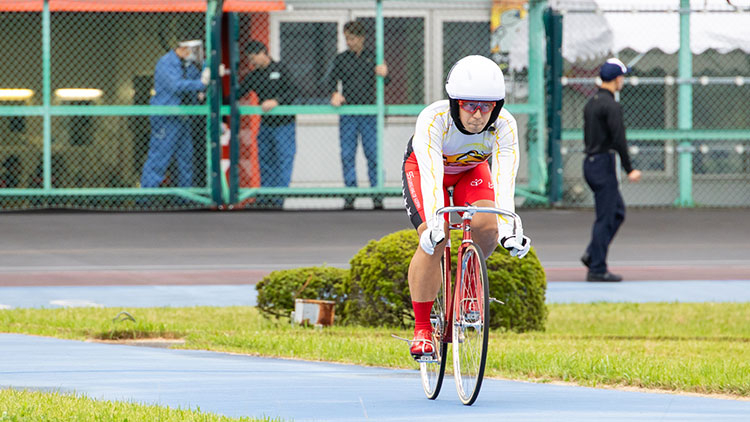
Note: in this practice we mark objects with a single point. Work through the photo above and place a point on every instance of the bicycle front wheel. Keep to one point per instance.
(470, 323)
(432, 373)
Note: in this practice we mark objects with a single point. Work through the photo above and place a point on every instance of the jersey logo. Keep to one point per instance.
(465, 159)
(476, 182)
(490, 185)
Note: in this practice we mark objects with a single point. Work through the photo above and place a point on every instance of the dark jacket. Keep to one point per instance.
(357, 76)
(603, 128)
(272, 82)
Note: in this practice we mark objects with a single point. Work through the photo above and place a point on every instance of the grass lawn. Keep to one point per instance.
(18, 406)
(699, 348)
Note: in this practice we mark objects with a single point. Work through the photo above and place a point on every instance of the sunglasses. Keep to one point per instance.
(472, 106)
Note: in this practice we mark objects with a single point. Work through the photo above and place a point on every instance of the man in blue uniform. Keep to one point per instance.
(603, 135)
(176, 78)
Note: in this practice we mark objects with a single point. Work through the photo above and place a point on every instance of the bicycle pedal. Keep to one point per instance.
(426, 359)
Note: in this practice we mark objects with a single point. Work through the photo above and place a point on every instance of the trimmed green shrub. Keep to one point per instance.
(521, 284)
(379, 290)
(277, 291)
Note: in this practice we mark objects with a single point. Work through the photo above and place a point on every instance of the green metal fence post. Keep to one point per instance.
(536, 159)
(46, 93)
(213, 15)
(234, 139)
(685, 108)
(380, 90)
(553, 24)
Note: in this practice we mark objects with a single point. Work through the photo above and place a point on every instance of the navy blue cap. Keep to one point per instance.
(611, 69)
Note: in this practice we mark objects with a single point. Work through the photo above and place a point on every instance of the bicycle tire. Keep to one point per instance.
(471, 314)
(432, 374)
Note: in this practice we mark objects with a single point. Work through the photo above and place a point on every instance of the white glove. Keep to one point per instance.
(223, 71)
(432, 236)
(206, 76)
(516, 249)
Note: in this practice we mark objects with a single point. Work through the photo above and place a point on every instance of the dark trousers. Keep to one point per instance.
(276, 148)
(600, 173)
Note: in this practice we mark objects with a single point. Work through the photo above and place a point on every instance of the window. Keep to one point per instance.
(307, 48)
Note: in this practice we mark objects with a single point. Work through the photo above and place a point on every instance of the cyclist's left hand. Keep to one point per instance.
(516, 249)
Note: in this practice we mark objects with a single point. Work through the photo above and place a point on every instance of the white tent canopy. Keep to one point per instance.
(643, 25)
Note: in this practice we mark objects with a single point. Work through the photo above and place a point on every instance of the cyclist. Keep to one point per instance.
(454, 142)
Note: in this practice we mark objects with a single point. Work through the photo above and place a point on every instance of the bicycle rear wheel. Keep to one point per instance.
(471, 312)
(432, 373)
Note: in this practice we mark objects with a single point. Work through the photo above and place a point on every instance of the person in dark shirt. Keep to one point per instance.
(273, 84)
(356, 69)
(604, 134)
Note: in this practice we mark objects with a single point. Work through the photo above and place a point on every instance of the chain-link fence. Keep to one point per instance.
(74, 137)
(329, 50)
(102, 107)
(686, 128)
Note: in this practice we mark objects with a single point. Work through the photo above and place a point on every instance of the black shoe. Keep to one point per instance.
(608, 276)
(586, 259)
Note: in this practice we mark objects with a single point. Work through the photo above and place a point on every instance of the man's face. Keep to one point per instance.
(475, 121)
(619, 82)
(259, 59)
(182, 52)
(355, 42)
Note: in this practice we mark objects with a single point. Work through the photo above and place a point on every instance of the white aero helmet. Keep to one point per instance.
(475, 78)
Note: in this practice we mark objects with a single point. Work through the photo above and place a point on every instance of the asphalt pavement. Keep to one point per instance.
(55, 259)
(78, 248)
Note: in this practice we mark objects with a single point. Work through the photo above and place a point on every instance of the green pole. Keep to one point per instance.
(537, 161)
(685, 108)
(46, 95)
(234, 141)
(554, 26)
(219, 190)
(380, 89)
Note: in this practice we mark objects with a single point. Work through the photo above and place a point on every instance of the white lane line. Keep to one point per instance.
(207, 267)
(75, 303)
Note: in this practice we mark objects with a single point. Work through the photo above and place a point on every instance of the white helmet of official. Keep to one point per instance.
(476, 78)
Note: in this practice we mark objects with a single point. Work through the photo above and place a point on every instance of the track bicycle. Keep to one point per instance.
(461, 316)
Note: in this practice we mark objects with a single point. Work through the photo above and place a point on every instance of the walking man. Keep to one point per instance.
(603, 135)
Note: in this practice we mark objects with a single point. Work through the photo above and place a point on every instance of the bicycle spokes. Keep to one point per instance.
(470, 330)
(432, 370)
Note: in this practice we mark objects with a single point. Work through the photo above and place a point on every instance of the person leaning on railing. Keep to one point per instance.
(356, 69)
(273, 83)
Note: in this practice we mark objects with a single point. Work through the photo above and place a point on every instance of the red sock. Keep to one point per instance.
(422, 315)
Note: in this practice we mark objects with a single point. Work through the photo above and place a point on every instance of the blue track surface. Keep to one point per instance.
(245, 295)
(235, 385)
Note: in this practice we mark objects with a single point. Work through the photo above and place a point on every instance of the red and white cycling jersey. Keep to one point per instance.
(441, 151)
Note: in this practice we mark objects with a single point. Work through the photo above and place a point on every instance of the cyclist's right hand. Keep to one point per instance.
(432, 236)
